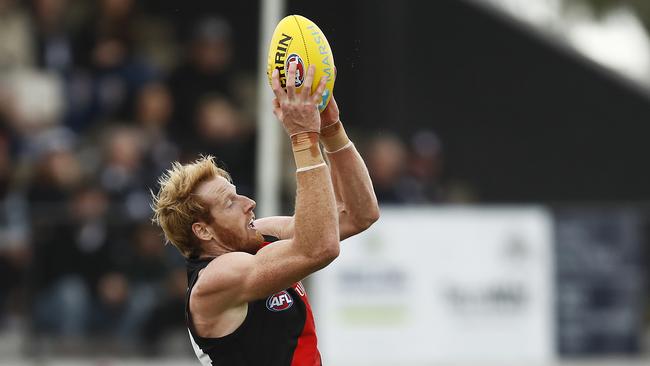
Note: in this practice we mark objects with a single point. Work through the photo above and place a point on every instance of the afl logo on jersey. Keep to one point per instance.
(279, 301)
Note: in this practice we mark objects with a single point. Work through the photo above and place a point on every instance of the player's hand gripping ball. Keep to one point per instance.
(297, 39)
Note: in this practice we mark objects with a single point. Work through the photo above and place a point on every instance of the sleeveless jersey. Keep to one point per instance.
(278, 330)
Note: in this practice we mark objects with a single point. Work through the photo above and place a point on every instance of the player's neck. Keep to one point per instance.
(214, 249)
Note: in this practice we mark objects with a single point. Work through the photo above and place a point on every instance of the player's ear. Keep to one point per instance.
(201, 231)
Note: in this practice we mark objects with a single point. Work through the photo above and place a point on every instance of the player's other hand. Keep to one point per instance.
(330, 115)
(297, 109)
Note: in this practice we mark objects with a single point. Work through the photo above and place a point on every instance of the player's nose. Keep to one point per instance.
(251, 204)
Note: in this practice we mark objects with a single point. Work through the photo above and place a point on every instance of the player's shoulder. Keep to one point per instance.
(222, 273)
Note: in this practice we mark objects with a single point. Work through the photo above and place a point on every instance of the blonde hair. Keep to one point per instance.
(177, 207)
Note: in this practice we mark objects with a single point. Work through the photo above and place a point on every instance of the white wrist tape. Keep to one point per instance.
(343, 148)
(306, 168)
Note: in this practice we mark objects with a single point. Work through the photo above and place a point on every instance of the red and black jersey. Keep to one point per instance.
(278, 330)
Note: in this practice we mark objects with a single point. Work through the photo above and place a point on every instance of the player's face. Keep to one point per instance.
(232, 216)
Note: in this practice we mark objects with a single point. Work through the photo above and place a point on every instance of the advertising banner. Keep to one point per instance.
(443, 285)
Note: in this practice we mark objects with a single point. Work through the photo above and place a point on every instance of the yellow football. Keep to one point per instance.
(298, 39)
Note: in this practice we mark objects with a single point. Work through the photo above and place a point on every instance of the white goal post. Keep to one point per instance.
(269, 136)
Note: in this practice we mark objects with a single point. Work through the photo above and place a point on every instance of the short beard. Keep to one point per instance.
(233, 243)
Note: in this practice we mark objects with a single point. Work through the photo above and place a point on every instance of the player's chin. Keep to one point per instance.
(257, 237)
(254, 241)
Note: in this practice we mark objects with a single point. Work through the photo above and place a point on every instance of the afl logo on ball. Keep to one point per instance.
(279, 301)
(300, 75)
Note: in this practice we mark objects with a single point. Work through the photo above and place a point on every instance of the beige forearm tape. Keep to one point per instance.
(334, 137)
(306, 151)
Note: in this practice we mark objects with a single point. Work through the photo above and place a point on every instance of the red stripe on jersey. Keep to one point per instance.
(306, 353)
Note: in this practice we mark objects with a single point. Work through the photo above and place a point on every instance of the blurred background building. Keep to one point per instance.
(477, 105)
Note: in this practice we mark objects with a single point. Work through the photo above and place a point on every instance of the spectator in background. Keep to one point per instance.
(54, 51)
(91, 225)
(153, 114)
(167, 315)
(129, 297)
(145, 271)
(33, 109)
(53, 41)
(387, 161)
(93, 252)
(423, 179)
(207, 70)
(221, 132)
(62, 298)
(112, 73)
(56, 176)
(14, 254)
(112, 298)
(16, 48)
(107, 39)
(407, 175)
(122, 172)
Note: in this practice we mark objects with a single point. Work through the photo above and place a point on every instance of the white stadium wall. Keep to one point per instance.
(447, 285)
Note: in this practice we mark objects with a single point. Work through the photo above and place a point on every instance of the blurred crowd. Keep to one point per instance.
(96, 99)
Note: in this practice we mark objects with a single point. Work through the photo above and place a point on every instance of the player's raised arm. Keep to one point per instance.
(355, 197)
(236, 278)
(356, 200)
